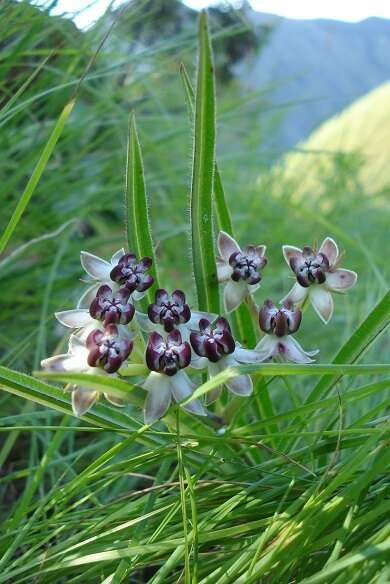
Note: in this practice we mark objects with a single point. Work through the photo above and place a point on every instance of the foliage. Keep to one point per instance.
(292, 486)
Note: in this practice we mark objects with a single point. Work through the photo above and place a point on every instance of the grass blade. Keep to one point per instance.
(203, 255)
(139, 236)
(36, 175)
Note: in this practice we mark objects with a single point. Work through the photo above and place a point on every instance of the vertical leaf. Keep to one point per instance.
(138, 232)
(241, 318)
(203, 255)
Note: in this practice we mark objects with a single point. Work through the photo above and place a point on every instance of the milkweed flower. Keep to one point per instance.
(122, 270)
(108, 307)
(239, 268)
(103, 352)
(170, 311)
(216, 350)
(318, 275)
(166, 358)
(279, 324)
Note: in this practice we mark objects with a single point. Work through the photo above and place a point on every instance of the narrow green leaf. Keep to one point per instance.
(100, 383)
(138, 231)
(370, 329)
(241, 318)
(36, 175)
(47, 395)
(271, 369)
(203, 255)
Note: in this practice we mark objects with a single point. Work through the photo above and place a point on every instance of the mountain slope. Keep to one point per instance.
(318, 67)
(353, 145)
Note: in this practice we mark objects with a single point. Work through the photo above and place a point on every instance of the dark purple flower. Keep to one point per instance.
(246, 264)
(167, 355)
(310, 267)
(132, 273)
(112, 308)
(213, 341)
(169, 310)
(279, 321)
(107, 349)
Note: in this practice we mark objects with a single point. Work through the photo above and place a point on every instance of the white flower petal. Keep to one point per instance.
(193, 323)
(224, 270)
(267, 347)
(66, 363)
(198, 362)
(96, 267)
(158, 399)
(74, 318)
(240, 385)
(89, 295)
(242, 355)
(322, 302)
(330, 249)
(341, 280)
(227, 245)
(77, 345)
(146, 324)
(297, 294)
(290, 252)
(233, 294)
(82, 400)
(117, 256)
(292, 351)
(181, 388)
(114, 400)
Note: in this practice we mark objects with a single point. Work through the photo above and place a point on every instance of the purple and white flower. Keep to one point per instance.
(279, 324)
(108, 307)
(216, 350)
(98, 356)
(108, 349)
(170, 311)
(166, 358)
(318, 275)
(132, 273)
(124, 270)
(239, 268)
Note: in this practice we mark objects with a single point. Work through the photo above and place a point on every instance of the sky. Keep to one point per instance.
(349, 10)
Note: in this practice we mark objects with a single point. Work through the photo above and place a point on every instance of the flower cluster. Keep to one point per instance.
(106, 323)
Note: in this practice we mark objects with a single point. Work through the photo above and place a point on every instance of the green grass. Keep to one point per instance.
(289, 485)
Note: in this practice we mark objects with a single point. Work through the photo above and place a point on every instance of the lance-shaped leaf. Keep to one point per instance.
(139, 238)
(203, 255)
(47, 395)
(241, 318)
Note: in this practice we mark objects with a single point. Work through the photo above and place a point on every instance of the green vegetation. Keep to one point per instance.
(292, 485)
